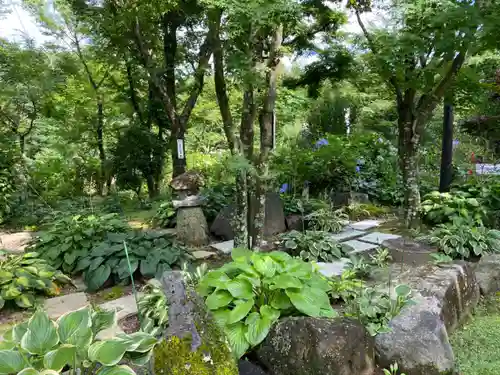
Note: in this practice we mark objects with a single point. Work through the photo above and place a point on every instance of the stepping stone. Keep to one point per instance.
(15, 242)
(333, 268)
(225, 247)
(377, 237)
(202, 254)
(58, 306)
(124, 306)
(347, 234)
(359, 248)
(366, 224)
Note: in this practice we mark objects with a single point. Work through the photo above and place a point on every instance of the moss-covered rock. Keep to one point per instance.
(193, 343)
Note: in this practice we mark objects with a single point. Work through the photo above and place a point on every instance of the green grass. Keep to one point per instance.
(477, 344)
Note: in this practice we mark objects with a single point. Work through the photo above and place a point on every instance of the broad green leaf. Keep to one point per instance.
(280, 256)
(240, 253)
(25, 300)
(138, 359)
(304, 301)
(139, 342)
(279, 300)
(240, 311)
(96, 262)
(264, 264)
(221, 316)
(73, 327)
(284, 281)
(269, 313)
(109, 352)
(214, 279)
(258, 330)
(240, 288)
(402, 290)
(28, 371)
(10, 292)
(236, 336)
(11, 362)
(102, 320)
(41, 335)
(328, 312)
(218, 299)
(60, 357)
(161, 269)
(115, 370)
(2, 303)
(23, 281)
(148, 267)
(19, 330)
(96, 279)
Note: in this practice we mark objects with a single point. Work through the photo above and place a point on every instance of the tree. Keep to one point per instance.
(419, 55)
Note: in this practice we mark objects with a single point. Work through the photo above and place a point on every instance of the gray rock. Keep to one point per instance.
(315, 346)
(192, 227)
(359, 248)
(125, 306)
(274, 222)
(445, 297)
(193, 342)
(224, 247)
(15, 242)
(345, 199)
(248, 368)
(418, 341)
(488, 273)
(347, 234)
(58, 306)
(366, 224)
(294, 222)
(378, 237)
(407, 251)
(334, 268)
(189, 201)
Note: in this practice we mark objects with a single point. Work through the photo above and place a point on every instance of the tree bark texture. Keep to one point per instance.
(446, 173)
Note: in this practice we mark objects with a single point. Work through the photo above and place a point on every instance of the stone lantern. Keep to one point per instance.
(192, 227)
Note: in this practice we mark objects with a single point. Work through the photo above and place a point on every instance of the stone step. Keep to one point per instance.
(366, 224)
(124, 306)
(333, 268)
(61, 305)
(225, 247)
(360, 248)
(377, 237)
(347, 234)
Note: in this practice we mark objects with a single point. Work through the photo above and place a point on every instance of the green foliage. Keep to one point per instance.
(115, 293)
(361, 211)
(249, 294)
(440, 258)
(462, 240)
(346, 287)
(41, 344)
(216, 197)
(153, 304)
(193, 276)
(150, 254)
(311, 245)
(72, 237)
(24, 276)
(359, 266)
(380, 258)
(375, 309)
(327, 219)
(442, 208)
(164, 216)
(393, 370)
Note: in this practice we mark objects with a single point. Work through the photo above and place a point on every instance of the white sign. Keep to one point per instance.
(180, 148)
(487, 168)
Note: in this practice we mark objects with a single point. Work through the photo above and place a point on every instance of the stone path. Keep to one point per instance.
(15, 242)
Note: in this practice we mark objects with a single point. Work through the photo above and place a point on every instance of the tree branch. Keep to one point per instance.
(84, 63)
(371, 43)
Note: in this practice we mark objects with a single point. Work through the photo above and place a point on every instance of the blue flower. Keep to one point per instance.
(320, 143)
(380, 140)
(456, 142)
(284, 188)
(358, 168)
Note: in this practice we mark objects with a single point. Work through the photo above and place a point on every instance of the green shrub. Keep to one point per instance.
(361, 211)
(359, 266)
(22, 277)
(311, 246)
(216, 197)
(345, 287)
(461, 239)
(40, 344)
(164, 216)
(71, 238)
(375, 309)
(153, 304)
(249, 294)
(327, 219)
(150, 253)
(441, 208)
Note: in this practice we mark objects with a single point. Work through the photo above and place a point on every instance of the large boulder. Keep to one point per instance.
(193, 344)
(274, 222)
(418, 341)
(192, 227)
(318, 346)
(403, 250)
(488, 273)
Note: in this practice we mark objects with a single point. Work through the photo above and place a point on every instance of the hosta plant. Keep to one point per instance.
(327, 219)
(153, 304)
(71, 238)
(248, 295)
(44, 346)
(441, 208)
(360, 211)
(150, 254)
(22, 277)
(164, 216)
(345, 287)
(311, 246)
(375, 308)
(461, 239)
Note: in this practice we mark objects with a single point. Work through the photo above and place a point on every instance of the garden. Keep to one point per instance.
(255, 187)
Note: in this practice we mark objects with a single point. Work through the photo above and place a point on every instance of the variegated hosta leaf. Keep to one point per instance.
(11, 362)
(109, 352)
(102, 320)
(41, 335)
(75, 328)
(140, 342)
(115, 370)
(60, 357)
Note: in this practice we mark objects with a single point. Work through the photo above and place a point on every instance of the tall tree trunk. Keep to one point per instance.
(446, 174)
(100, 145)
(266, 119)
